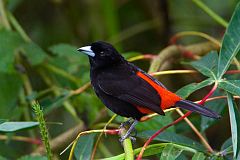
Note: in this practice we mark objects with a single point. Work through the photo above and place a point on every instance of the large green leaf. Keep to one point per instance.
(15, 126)
(231, 43)
(185, 91)
(198, 156)
(173, 138)
(10, 85)
(9, 43)
(156, 123)
(84, 147)
(232, 86)
(34, 53)
(235, 124)
(170, 152)
(207, 65)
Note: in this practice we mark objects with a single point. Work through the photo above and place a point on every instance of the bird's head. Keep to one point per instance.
(101, 54)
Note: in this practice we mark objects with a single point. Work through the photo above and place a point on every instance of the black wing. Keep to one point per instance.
(127, 86)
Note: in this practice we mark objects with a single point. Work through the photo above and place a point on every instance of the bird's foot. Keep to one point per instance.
(126, 123)
(130, 130)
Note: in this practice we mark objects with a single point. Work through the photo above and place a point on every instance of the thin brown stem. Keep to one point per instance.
(196, 131)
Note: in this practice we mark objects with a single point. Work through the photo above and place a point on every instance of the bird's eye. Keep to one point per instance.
(102, 54)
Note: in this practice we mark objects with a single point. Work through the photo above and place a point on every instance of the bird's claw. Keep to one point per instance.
(133, 139)
(126, 123)
(129, 131)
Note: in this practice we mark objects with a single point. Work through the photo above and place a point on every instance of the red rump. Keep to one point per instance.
(168, 99)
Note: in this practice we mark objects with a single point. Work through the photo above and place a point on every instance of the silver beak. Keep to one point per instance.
(87, 50)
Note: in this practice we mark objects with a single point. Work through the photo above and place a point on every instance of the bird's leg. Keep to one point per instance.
(131, 128)
(126, 123)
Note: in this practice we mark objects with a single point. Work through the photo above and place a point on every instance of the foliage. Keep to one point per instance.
(39, 62)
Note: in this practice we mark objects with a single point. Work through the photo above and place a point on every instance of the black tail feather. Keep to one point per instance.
(188, 105)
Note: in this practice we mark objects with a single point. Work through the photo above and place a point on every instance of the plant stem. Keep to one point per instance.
(3, 16)
(195, 33)
(160, 131)
(43, 129)
(204, 141)
(210, 12)
(22, 139)
(61, 72)
(74, 143)
(175, 122)
(67, 105)
(18, 27)
(172, 72)
(100, 136)
(173, 51)
(127, 145)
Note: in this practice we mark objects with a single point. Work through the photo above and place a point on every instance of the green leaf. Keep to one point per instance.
(207, 65)
(170, 152)
(56, 102)
(217, 106)
(10, 85)
(198, 156)
(235, 124)
(34, 53)
(2, 158)
(84, 147)
(232, 86)
(156, 123)
(152, 150)
(15, 126)
(28, 157)
(185, 91)
(9, 43)
(2, 121)
(173, 138)
(230, 44)
(227, 146)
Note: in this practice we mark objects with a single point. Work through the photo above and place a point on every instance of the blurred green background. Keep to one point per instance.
(44, 64)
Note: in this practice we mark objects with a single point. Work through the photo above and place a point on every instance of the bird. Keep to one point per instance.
(127, 90)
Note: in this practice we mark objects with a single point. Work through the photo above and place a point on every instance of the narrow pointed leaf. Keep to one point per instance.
(231, 43)
(235, 124)
(207, 65)
(185, 91)
(15, 126)
(232, 86)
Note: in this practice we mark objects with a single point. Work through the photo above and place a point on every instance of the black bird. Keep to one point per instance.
(127, 90)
